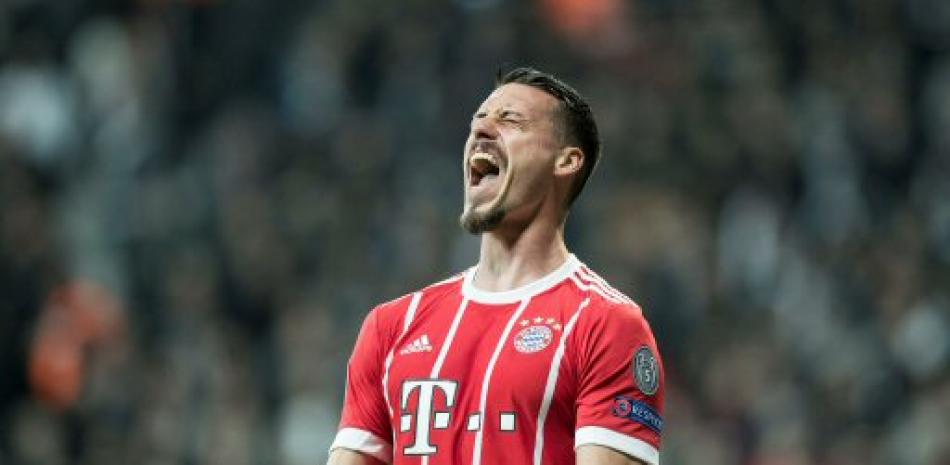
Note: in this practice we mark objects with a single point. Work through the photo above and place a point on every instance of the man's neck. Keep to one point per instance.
(509, 260)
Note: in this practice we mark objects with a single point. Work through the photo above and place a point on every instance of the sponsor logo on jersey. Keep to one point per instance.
(646, 371)
(637, 411)
(420, 344)
(426, 417)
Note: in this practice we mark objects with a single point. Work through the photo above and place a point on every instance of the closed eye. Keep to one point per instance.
(509, 115)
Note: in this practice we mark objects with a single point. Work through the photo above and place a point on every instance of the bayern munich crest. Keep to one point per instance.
(536, 337)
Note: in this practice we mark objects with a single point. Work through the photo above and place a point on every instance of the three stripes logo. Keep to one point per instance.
(420, 344)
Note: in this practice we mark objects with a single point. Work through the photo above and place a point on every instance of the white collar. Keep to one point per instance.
(520, 293)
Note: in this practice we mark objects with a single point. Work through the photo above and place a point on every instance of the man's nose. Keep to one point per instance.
(484, 128)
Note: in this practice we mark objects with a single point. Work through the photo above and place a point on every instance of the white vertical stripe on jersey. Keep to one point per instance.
(410, 314)
(552, 381)
(437, 367)
(448, 340)
(477, 454)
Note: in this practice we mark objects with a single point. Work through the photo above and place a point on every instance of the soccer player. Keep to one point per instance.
(529, 357)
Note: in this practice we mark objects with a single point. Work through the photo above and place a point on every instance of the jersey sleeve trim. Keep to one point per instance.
(631, 446)
(364, 442)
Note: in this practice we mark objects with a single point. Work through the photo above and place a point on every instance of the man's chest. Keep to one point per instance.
(460, 373)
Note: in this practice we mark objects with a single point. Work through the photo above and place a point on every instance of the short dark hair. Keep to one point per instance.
(578, 123)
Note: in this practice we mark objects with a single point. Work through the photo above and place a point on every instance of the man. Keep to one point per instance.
(528, 357)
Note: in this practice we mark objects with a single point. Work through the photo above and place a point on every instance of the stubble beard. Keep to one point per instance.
(476, 222)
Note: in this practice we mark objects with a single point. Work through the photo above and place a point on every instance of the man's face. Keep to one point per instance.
(509, 156)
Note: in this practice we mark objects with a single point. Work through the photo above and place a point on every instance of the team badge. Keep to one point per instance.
(646, 371)
(533, 339)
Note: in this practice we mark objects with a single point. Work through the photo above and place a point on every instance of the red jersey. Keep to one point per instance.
(454, 375)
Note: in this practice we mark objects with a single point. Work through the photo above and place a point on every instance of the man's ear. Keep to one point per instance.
(569, 161)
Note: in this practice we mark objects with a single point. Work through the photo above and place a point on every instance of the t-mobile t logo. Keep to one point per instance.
(426, 416)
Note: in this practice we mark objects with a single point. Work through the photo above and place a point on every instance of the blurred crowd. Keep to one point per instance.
(201, 199)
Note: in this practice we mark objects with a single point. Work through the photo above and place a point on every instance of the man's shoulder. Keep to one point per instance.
(405, 302)
(605, 301)
(609, 316)
(448, 285)
(601, 292)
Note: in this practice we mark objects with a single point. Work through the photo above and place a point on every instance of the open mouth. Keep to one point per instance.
(483, 167)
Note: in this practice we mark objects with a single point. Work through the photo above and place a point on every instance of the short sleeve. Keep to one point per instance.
(620, 383)
(364, 424)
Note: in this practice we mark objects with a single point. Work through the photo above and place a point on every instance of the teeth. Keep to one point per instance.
(483, 163)
(484, 155)
(481, 156)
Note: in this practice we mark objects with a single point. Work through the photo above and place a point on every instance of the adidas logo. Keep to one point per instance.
(421, 344)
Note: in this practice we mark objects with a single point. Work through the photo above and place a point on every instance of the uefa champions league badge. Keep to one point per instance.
(536, 337)
(646, 371)
(638, 411)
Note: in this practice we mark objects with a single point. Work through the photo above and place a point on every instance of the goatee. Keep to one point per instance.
(477, 223)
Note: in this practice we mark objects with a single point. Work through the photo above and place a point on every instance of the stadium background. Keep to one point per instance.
(199, 201)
